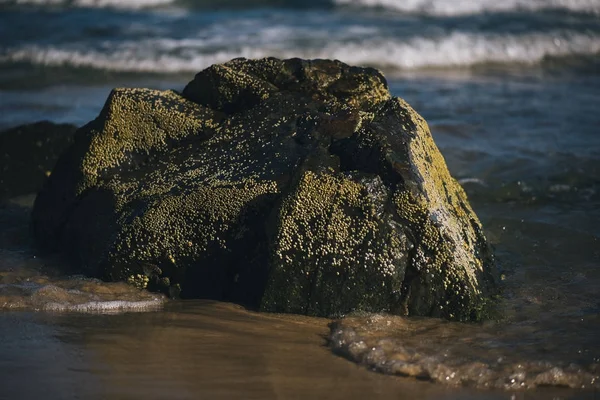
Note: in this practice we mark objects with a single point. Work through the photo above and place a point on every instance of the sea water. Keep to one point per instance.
(511, 92)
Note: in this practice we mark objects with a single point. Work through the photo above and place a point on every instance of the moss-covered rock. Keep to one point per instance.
(288, 185)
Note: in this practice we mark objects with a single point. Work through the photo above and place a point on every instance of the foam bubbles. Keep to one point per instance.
(104, 307)
(27, 289)
(457, 354)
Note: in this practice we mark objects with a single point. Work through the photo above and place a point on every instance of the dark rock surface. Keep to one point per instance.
(287, 185)
(28, 154)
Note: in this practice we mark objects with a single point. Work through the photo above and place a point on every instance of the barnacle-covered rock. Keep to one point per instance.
(336, 248)
(288, 185)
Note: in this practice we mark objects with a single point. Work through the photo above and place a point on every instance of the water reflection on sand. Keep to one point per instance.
(195, 349)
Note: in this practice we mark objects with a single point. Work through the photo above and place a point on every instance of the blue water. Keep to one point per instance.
(510, 89)
(162, 36)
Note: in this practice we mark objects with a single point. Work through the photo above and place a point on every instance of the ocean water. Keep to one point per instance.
(511, 91)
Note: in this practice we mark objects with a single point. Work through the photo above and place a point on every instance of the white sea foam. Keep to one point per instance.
(466, 7)
(107, 307)
(75, 294)
(191, 55)
(465, 49)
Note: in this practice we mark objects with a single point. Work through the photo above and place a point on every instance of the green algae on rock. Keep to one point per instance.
(287, 185)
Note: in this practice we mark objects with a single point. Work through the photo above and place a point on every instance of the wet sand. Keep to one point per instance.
(198, 349)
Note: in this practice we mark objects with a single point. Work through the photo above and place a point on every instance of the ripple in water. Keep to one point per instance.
(458, 354)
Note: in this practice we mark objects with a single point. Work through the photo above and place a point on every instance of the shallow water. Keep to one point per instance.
(546, 333)
(538, 200)
(197, 349)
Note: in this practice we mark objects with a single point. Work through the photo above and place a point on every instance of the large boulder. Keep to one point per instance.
(28, 154)
(288, 185)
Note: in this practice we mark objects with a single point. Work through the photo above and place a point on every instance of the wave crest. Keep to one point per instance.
(192, 55)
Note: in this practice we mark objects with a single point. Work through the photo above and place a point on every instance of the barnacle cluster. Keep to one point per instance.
(335, 248)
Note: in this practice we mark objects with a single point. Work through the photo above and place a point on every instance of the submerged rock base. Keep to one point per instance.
(288, 185)
(28, 154)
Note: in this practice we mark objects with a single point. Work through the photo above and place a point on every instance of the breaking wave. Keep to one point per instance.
(191, 55)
